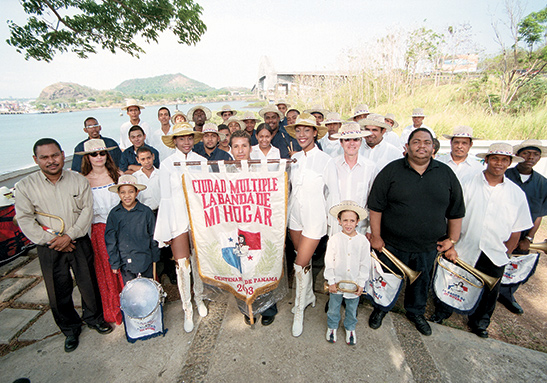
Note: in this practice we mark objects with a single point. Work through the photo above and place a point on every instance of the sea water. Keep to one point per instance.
(19, 132)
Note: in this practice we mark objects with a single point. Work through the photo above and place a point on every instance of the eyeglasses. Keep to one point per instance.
(95, 154)
(93, 126)
(350, 139)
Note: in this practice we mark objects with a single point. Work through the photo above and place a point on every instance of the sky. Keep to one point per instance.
(301, 35)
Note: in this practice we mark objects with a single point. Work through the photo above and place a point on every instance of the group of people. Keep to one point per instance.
(348, 197)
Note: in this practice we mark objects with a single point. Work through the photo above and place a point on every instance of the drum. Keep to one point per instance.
(141, 301)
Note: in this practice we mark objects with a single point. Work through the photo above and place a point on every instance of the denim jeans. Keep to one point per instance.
(333, 315)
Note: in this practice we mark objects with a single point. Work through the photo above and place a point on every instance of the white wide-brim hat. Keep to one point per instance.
(418, 112)
(461, 131)
(235, 119)
(359, 110)
(6, 197)
(270, 109)
(503, 149)
(348, 205)
(132, 102)
(333, 118)
(350, 130)
(531, 144)
(180, 129)
(391, 116)
(306, 119)
(248, 115)
(317, 109)
(126, 179)
(209, 127)
(207, 111)
(94, 145)
(374, 120)
(283, 102)
(178, 113)
(226, 108)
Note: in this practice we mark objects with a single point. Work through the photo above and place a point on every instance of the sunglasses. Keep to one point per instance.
(93, 126)
(95, 154)
(351, 139)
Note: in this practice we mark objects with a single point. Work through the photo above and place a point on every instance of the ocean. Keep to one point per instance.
(19, 132)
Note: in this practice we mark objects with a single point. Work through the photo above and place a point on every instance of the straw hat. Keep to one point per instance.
(374, 120)
(126, 179)
(359, 110)
(503, 149)
(207, 111)
(317, 109)
(180, 129)
(348, 205)
(209, 127)
(248, 115)
(270, 109)
(461, 131)
(391, 116)
(333, 118)
(418, 112)
(226, 108)
(531, 144)
(94, 145)
(132, 102)
(350, 130)
(6, 197)
(306, 119)
(178, 113)
(235, 119)
(283, 102)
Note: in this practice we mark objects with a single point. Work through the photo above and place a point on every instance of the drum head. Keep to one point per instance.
(139, 298)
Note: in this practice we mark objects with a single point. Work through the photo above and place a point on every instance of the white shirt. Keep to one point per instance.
(353, 184)
(156, 142)
(103, 201)
(347, 258)
(124, 133)
(467, 168)
(257, 154)
(409, 129)
(150, 196)
(491, 215)
(314, 183)
(172, 219)
(382, 154)
(392, 138)
(332, 148)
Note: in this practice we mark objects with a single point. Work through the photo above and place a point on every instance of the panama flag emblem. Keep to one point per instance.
(241, 249)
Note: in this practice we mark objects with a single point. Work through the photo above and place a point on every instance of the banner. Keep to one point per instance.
(238, 223)
(383, 288)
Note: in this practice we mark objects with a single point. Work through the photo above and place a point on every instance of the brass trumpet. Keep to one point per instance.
(541, 246)
(487, 279)
(407, 271)
(340, 287)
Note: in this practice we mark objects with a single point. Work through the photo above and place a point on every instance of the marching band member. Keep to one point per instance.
(172, 222)
(376, 148)
(459, 158)
(313, 180)
(413, 202)
(496, 213)
(329, 143)
(534, 186)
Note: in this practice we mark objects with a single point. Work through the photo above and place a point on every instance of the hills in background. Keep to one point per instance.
(169, 87)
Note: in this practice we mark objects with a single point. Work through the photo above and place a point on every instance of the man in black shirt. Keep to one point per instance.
(280, 138)
(414, 202)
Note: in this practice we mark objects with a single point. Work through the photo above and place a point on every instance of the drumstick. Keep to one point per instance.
(154, 272)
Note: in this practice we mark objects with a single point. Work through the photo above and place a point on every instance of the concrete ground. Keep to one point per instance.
(223, 349)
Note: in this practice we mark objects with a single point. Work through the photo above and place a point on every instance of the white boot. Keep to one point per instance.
(309, 298)
(303, 284)
(183, 281)
(198, 287)
(202, 309)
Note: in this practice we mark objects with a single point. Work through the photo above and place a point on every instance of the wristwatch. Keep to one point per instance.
(529, 238)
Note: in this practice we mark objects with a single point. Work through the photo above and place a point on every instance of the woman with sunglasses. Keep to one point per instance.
(314, 187)
(101, 172)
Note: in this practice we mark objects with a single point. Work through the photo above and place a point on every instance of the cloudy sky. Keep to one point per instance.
(296, 35)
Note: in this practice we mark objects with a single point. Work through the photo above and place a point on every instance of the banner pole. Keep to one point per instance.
(251, 315)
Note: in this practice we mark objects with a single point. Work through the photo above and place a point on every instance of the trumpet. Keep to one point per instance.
(541, 246)
(407, 271)
(343, 286)
(487, 279)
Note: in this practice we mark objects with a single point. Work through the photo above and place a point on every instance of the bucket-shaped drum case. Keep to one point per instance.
(141, 301)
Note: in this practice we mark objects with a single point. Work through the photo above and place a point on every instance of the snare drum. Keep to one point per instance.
(141, 302)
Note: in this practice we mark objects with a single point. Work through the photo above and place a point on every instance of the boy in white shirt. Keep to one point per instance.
(347, 259)
(149, 176)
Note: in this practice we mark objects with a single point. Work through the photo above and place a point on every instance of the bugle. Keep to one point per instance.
(340, 287)
(541, 246)
(487, 279)
(407, 271)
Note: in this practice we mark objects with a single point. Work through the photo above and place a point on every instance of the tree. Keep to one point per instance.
(82, 26)
(533, 28)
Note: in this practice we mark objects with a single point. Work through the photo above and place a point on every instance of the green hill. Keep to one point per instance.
(67, 90)
(165, 84)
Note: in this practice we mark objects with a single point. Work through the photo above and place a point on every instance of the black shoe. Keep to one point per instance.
(436, 318)
(102, 328)
(480, 332)
(327, 306)
(375, 319)
(512, 306)
(71, 343)
(267, 320)
(421, 324)
(248, 320)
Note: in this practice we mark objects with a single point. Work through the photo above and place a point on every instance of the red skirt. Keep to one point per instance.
(110, 284)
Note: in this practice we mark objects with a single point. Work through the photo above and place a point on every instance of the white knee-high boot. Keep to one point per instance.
(303, 284)
(198, 288)
(183, 280)
(309, 297)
